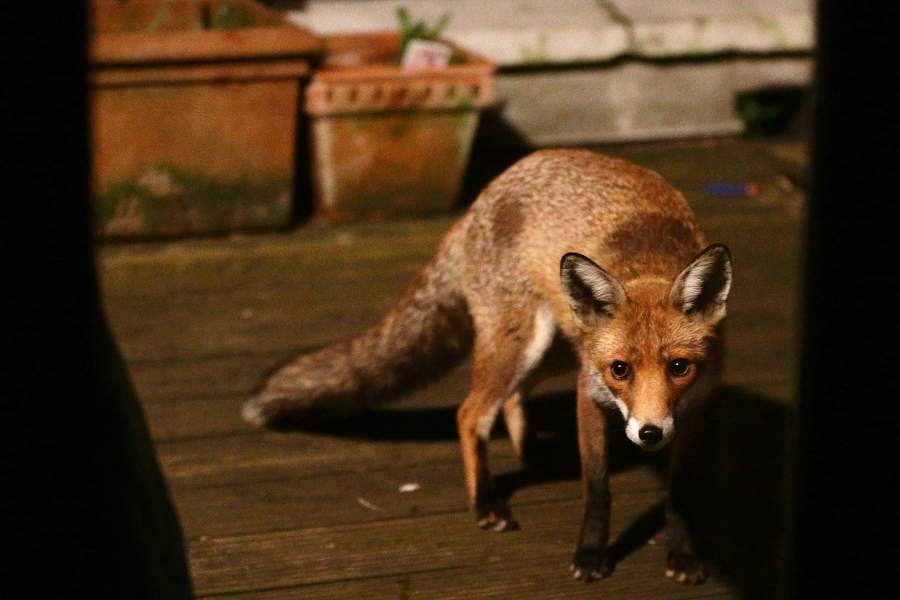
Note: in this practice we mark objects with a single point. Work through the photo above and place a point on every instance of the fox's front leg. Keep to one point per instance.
(683, 565)
(591, 561)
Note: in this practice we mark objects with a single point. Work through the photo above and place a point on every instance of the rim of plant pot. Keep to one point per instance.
(125, 75)
(132, 31)
(359, 73)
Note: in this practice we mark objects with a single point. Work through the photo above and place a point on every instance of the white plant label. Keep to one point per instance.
(424, 54)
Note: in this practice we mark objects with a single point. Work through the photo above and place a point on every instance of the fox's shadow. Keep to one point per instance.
(742, 474)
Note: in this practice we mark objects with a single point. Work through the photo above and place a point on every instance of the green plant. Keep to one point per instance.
(229, 16)
(419, 30)
(158, 17)
(221, 15)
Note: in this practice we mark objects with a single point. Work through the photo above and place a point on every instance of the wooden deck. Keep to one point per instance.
(320, 514)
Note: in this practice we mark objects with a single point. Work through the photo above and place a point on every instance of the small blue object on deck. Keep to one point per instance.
(731, 190)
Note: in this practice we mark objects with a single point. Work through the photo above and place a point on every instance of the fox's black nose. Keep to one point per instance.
(650, 434)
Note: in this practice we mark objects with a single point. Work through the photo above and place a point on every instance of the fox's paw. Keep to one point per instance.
(496, 517)
(588, 565)
(685, 568)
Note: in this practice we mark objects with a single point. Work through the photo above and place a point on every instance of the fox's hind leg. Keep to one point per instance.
(502, 357)
(516, 423)
(491, 379)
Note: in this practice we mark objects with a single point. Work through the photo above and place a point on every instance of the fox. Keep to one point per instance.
(521, 267)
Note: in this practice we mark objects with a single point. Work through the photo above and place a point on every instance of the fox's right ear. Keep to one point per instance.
(592, 291)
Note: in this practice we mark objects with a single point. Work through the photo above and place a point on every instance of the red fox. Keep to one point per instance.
(520, 266)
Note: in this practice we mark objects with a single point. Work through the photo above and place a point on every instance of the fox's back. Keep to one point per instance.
(625, 217)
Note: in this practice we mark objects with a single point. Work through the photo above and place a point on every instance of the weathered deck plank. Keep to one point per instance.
(267, 456)
(520, 579)
(368, 496)
(298, 557)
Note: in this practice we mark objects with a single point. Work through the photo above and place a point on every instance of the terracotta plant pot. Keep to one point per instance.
(194, 108)
(389, 142)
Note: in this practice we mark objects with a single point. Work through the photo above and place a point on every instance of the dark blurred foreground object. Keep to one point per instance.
(387, 141)
(89, 513)
(848, 510)
(194, 106)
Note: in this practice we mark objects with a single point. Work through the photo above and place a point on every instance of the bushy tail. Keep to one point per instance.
(423, 335)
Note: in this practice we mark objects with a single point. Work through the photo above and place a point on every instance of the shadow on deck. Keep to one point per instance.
(743, 499)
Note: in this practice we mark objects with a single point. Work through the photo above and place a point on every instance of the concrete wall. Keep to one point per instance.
(607, 70)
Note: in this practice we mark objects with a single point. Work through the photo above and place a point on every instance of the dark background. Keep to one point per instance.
(64, 467)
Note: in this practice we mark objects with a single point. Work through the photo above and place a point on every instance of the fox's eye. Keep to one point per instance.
(620, 370)
(679, 367)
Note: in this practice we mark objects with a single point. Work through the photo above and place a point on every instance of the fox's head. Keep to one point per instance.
(644, 346)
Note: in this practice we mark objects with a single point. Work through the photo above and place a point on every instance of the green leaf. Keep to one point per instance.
(403, 18)
(441, 24)
(419, 29)
(158, 17)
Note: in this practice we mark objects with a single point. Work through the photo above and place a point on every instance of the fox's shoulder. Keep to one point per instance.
(581, 180)
(567, 200)
(567, 173)
(552, 161)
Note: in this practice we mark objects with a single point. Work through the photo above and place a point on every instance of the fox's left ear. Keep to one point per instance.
(702, 288)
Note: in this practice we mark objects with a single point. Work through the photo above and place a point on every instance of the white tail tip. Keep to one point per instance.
(252, 412)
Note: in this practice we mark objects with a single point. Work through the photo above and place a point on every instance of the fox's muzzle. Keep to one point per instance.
(648, 435)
